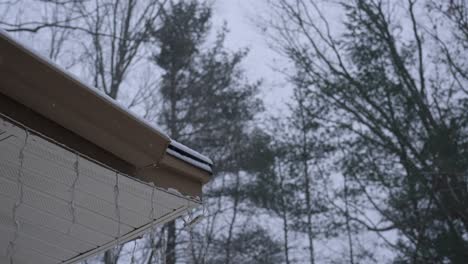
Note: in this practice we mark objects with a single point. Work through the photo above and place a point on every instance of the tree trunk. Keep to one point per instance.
(171, 243)
(233, 221)
(108, 257)
(111, 256)
(305, 166)
(309, 216)
(172, 124)
(284, 217)
(348, 226)
(286, 237)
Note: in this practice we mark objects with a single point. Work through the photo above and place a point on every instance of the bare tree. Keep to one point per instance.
(111, 34)
(399, 107)
(117, 29)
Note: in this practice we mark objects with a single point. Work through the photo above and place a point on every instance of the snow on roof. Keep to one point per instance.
(94, 90)
(178, 150)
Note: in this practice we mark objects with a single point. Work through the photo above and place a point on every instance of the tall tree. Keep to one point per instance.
(117, 30)
(206, 101)
(272, 188)
(400, 110)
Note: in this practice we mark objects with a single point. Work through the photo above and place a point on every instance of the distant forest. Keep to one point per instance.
(368, 164)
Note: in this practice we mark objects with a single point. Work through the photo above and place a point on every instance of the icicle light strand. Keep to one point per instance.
(76, 167)
(152, 213)
(11, 246)
(152, 202)
(19, 201)
(39, 134)
(116, 202)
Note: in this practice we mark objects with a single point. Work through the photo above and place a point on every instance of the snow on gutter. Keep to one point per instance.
(190, 156)
(190, 152)
(190, 160)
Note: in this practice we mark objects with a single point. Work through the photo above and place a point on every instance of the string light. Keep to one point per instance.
(19, 201)
(152, 201)
(116, 202)
(117, 210)
(76, 167)
(77, 173)
(151, 184)
(152, 212)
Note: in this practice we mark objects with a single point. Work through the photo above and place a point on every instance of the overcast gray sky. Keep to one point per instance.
(261, 60)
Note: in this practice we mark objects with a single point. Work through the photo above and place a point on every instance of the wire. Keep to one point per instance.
(19, 201)
(11, 246)
(116, 202)
(76, 167)
(149, 184)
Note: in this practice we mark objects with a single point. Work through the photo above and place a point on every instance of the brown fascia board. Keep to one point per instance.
(46, 89)
(185, 168)
(23, 116)
(67, 101)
